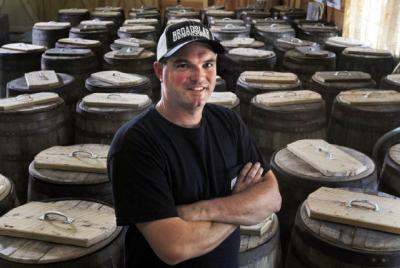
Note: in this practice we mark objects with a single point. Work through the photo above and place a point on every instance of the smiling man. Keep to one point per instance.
(186, 174)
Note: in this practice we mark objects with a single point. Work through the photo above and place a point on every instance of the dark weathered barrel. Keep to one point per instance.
(225, 99)
(62, 179)
(242, 42)
(230, 31)
(360, 117)
(337, 44)
(15, 61)
(317, 32)
(251, 84)
(329, 84)
(144, 21)
(134, 42)
(99, 33)
(136, 13)
(220, 84)
(212, 15)
(238, 60)
(261, 250)
(175, 9)
(73, 15)
(109, 24)
(270, 33)
(320, 244)
(182, 14)
(205, 9)
(391, 81)
(297, 179)
(305, 61)
(249, 15)
(288, 13)
(8, 197)
(105, 15)
(146, 32)
(390, 175)
(35, 253)
(26, 131)
(376, 62)
(278, 118)
(47, 33)
(100, 115)
(251, 7)
(4, 29)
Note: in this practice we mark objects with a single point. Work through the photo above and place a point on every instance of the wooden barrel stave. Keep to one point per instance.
(8, 197)
(48, 37)
(389, 181)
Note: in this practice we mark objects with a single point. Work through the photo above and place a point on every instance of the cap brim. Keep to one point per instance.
(215, 46)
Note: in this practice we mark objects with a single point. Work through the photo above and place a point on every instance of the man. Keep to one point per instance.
(185, 174)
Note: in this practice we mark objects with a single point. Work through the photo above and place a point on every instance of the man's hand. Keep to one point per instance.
(249, 175)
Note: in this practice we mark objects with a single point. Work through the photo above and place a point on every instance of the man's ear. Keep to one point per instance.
(157, 67)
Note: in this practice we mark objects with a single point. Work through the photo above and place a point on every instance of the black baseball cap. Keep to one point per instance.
(177, 35)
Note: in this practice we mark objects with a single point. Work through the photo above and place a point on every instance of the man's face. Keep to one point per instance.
(189, 76)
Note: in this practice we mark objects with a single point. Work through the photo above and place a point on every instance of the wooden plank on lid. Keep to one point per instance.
(342, 76)
(268, 77)
(27, 100)
(282, 98)
(394, 77)
(369, 97)
(80, 157)
(326, 158)
(128, 52)
(78, 41)
(44, 79)
(136, 28)
(257, 229)
(348, 42)
(251, 52)
(223, 98)
(24, 47)
(312, 51)
(353, 208)
(118, 78)
(130, 100)
(368, 51)
(97, 22)
(66, 52)
(72, 222)
(51, 25)
(73, 11)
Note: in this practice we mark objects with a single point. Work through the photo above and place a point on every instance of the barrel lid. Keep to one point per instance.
(183, 13)
(220, 13)
(225, 99)
(214, 7)
(5, 187)
(341, 76)
(326, 158)
(178, 7)
(129, 53)
(174, 21)
(242, 42)
(109, 8)
(312, 52)
(229, 28)
(369, 97)
(318, 27)
(268, 77)
(141, 11)
(367, 51)
(135, 42)
(79, 41)
(88, 28)
(51, 25)
(284, 98)
(27, 101)
(44, 79)
(137, 28)
(118, 78)
(344, 41)
(394, 153)
(224, 21)
(251, 52)
(24, 47)
(78, 52)
(269, 21)
(81, 157)
(274, 28)
(117, 100)
(394, 78)
(260, 228)
(63, 222)
(147, 21)
(293, 42)
(73, 11)
(105, 13)
(97, 22)
(144, 8)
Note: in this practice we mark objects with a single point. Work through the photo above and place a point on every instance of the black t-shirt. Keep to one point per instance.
(155, 165)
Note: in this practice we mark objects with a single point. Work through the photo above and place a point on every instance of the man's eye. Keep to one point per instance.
(209, 65)
(182, 65)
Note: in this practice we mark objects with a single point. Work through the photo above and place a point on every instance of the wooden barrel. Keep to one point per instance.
(205, 9)
(94, 45)
(357, 125)
(337, 44)
(79, 63)
(320, 244)
(128, 61)
(53, 182)
(47, 33)
(390, 81)
(289, 14)
(8, 197)
(146, 32)
(106, 15)
(245, 42)
(99, 33)
(134, 42)
(329, 84)
(182, 14)
(4, 29)
(376, 62)
(218, 14)
(109, 24)
(238, 60)
(390, 175)
(230, 31)
(247, 89)
(14, 63)
(220, 84)
(249, 15)
(261, 250)
(294, 173)
(144, 21)
(97, 122)
(270, 33)
(305, 61)
(175, 8)
(136, 13)
(26, 131)
(119, 9)
(317, 32)
(279, 118)
(73, 15)
(34, 253)
(225, 99)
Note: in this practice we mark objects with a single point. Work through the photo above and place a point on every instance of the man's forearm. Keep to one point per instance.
(245, 208)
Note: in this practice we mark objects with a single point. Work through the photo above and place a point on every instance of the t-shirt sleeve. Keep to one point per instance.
(141, 192)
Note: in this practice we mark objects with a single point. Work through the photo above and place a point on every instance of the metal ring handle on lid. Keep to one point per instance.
(75, 153)
(67, 220)
(23, 97)
(375, 205)
(342, 73)
(229, 26)
(115, 95)
(329, 155)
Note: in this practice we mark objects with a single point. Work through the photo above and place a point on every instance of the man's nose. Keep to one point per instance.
(197, 74)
